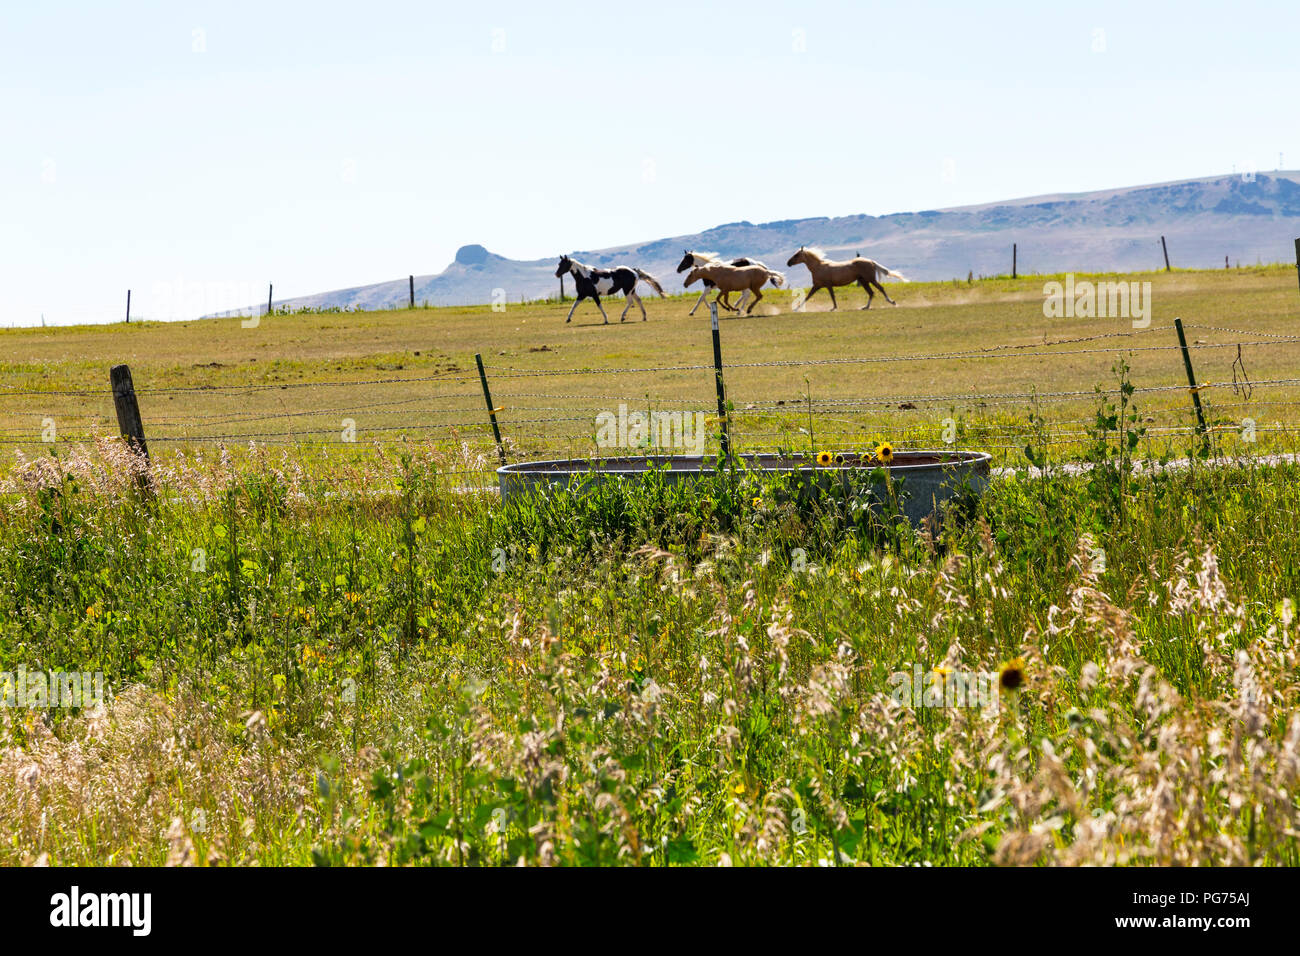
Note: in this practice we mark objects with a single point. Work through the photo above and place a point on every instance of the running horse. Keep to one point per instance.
(744, 279)
(593, 283)
(827, 274)
(693, 259)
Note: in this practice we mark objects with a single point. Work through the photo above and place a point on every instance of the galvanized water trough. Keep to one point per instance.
(924, 481)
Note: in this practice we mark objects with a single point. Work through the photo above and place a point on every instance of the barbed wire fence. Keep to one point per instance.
(540, 421)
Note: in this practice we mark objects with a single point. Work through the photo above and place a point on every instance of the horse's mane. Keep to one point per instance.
(580, 267)
(715, 263)
(816, 252)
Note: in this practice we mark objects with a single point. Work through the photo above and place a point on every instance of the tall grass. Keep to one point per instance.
(376, 667)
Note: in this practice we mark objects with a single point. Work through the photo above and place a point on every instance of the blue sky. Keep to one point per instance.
(195, 152)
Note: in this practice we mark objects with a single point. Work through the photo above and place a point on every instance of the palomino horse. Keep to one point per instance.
(827, 274)
(737, 279)
(693, 259)
(593, 283)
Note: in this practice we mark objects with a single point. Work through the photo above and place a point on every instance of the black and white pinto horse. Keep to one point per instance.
(593, 283)
(693, 259)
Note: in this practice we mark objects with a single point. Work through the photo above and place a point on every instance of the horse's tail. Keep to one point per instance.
(654, 283)
(892, 274)
(775, 278)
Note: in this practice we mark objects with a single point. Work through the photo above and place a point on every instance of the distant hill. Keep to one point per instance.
(1246, 219)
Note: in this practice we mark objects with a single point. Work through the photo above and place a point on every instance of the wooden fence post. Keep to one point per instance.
(129, 422)
(269, 289)
(724, 436)
(413, 292)
(1013, 260)
(492, 410)
(1297, 258)
(1165, 249)
(1192, 386)
(1297, 248)
(128, 295)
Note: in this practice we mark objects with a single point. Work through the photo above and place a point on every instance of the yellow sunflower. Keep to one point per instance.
(1011, 676)
(824, 458)
(885, 452)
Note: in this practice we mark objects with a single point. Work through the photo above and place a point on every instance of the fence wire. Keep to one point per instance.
(572, 416)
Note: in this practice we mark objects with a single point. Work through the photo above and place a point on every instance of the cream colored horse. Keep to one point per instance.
(692, 259)
(827, 274)
(744, 279)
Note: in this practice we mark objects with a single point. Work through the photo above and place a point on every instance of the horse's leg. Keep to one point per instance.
(804, 306)
(596, 299)
(632, 297)
(870, 295)
(723, 301)
(883, 292)
(758, 294)
(834, 305)
(573, 308)
(698, 302)
(740, 306)
(640, 305)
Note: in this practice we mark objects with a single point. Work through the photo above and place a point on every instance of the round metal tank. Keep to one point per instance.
(924, 480)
